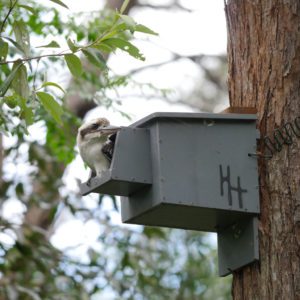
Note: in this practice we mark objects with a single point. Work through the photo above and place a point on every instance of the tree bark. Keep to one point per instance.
(264, 72)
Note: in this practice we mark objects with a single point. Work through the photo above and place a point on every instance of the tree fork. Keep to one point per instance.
(264, 72)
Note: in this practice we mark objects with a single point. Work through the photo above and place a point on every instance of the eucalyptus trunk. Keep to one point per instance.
(264, 72)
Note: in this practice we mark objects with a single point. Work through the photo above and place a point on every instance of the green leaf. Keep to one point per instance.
(144, 29)
(18, 46)
(103, 47)
(128, 21)
(110, 34)
(137, 27)
(95, 58)
(51, 106)
(125, 46)
(27, 115)
(124, 6)
(29, 8)
(26, 112)
(60, 3)
(154, 232)
(11, 101)
(72, 46)
(74, 64)
(52, 44)
(22, 36)
(3, 50)
(121, 27)
(59, 139)
(20, 82)
(6, 84)
(49, 83)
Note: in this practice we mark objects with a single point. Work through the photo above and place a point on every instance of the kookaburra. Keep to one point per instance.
(95, 140)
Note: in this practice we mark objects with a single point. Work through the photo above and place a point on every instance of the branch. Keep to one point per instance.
(157, 65)
(194, 58)
(34, 57)
(12, 6)
(176, 4)
(64, 52)
(165, 99)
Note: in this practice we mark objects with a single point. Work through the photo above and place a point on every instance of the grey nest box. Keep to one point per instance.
(190, 171)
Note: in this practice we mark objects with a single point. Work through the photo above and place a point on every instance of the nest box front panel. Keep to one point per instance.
(205, 163)
(202, 175)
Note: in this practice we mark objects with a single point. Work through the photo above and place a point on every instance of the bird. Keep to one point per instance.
(95, 140)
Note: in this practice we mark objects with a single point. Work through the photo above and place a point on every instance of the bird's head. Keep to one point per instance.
(96, 129)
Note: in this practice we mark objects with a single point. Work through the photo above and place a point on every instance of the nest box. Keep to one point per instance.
(190, 171)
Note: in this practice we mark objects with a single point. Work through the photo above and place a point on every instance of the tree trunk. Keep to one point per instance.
(264, 72)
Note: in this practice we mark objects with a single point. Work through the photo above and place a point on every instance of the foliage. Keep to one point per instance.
(144, 263)
(22, 91)
(152, 264)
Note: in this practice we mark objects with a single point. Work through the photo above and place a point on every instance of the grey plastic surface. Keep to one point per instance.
(190, 171)
(130, 169)
(238, 245)
(203, 179)
(198, 162)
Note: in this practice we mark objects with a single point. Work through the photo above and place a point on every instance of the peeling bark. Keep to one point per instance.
(264, 72)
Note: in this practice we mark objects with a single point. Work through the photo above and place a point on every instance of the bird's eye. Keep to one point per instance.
(94, 126)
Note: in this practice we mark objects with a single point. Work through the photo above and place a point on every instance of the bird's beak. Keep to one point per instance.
(108, 130)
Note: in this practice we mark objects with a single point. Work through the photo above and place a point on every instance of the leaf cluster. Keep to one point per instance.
(21, 88)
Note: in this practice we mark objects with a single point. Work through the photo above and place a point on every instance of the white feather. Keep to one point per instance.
(91, 153)
(90, 147)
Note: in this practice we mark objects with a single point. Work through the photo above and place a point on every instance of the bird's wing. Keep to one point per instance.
(112, 137)
(108, 150)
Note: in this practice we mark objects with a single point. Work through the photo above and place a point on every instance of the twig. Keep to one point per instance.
(194, 58)
(175, 4)
(34, 57)
(98, 40)
(165, 99)
(157, 65)
(9, 12)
